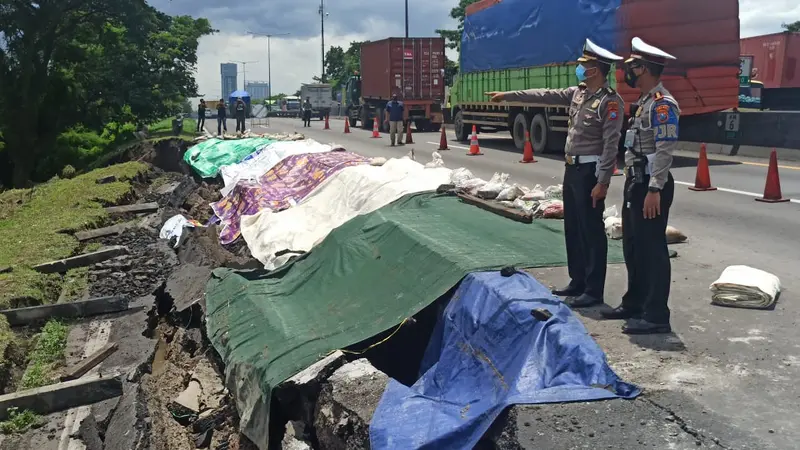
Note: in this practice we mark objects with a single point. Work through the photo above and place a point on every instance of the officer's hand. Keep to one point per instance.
(496, 96)
(652, 205)
(599, 193)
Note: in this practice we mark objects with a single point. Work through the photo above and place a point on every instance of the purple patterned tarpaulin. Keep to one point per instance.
(290, 181)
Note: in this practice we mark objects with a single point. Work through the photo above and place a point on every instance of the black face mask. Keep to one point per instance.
(631, 78)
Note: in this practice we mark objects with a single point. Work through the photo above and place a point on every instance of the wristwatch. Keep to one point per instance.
(653, 189)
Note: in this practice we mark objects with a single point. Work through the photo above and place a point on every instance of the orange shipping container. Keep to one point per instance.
(775, 58)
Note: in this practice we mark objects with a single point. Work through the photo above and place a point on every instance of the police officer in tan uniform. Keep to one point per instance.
(649, 190)
(595, 124)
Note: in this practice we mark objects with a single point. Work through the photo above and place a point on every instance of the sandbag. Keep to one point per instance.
(674, 235)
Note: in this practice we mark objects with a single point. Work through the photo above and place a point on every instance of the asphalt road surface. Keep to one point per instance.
(725, 375)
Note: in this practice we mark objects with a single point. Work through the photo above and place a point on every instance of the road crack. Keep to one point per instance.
(688, 429)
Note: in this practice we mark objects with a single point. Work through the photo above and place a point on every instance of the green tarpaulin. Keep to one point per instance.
(208, 156)
(366, 277)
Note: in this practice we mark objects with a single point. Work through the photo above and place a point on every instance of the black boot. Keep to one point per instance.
(582, 301)
(639, 326)
(620, 313)
(569, 291)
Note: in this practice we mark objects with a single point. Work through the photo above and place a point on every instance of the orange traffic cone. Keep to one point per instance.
(375, 132)
(327, 124)
(702, 181)
(443, 140)
(409, 139)
(346, 125)
(474, 148)
(772, 190)
(527, 152)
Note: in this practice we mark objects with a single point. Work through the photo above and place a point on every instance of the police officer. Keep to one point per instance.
(595, 124)
(649, 189)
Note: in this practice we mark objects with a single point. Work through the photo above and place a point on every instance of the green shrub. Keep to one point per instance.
(68, 172)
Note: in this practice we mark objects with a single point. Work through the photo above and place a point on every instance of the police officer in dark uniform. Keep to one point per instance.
(595, 124)
(649, 190)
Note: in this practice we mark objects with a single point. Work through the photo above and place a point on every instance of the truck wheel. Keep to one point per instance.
(519, 130)
(462, 133)
(353, 122)
(436, 127)
(539, 133)
(365, 122)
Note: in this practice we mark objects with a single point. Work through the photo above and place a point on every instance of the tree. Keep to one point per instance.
(88, 63)
(453, 37)
(450, 71)
(793, 27)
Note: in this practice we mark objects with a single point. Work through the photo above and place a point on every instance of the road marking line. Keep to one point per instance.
(734, 191)
(767, 165)
(453, 146)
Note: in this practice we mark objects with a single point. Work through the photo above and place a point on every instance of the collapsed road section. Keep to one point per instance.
(275, 292)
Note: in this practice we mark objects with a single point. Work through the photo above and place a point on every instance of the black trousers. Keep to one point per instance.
(222, 124)
(306, 118)
(201, 122)
(240, 123)
(587, 246)
(644, 245)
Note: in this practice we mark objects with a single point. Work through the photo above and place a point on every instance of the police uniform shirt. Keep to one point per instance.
(656, 133)
(595, 121)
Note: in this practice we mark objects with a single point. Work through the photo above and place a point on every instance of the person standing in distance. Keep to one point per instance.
(222, 117)
(649, 190)
(241, 113)
(595, 126)
(201, 115)
(394, 116)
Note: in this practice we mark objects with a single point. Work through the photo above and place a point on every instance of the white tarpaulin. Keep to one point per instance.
(351, 192)
(265, 159)
(745, 287)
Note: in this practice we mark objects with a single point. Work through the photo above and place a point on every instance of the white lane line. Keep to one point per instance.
(731, 191)
(453, 146)
(97, 337)
(735, 191)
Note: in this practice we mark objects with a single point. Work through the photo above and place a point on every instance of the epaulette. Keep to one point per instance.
(610, 91)
(582, 86)
(658, 96)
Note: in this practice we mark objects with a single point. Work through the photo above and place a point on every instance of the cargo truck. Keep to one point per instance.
(522, 44)
(412, 69)
(321, 96)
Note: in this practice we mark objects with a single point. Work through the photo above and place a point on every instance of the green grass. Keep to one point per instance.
(33, 222)
(46, 356)
(164, 129)
(6, 336)
(20, 421)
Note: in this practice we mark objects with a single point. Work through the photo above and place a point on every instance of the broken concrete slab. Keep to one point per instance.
(295, 437)
(346, 405)
(61, 396)
(87, 259)
(187, 403)
(187, 285)
(178, 196)
(212, 388)
(133, 209)
(106, 179)
(298, 395)
(82, 368)
(129, 427)
(88, 235)
(89, 433)
(86, 308)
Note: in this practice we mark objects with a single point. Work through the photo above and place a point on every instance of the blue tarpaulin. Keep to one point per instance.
(524, 33)
(487, 353)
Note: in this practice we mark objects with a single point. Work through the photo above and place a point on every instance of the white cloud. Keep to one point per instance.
(757, 17)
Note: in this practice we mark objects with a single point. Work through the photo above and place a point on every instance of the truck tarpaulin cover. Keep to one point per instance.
(522, 33)
(366, 277)
(487, 352)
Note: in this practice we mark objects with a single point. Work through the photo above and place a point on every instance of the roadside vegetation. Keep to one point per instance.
(19, 421)
(47, 356)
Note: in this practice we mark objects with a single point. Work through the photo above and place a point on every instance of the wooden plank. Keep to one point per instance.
(5, 270)
(133, 209)
(86, 308)
(88, 235)
(87, 259)
(62, 396)
(83, 367)
(497, 208)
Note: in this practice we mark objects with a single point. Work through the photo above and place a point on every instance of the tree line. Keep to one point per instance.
(80, 75)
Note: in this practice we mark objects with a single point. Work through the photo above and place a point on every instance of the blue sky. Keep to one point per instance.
(297, 57)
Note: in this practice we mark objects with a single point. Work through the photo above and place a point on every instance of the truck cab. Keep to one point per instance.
(352, 99)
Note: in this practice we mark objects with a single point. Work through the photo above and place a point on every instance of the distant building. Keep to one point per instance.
(257, 89)
(228, 75)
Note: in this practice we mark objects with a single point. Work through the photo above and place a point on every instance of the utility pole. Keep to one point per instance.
(269, 58)
(406, 19)
(322, 15)
(244, 71)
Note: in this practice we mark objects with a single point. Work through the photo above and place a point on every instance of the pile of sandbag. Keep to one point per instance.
(745, 287)
(541, 202)
(613, 224)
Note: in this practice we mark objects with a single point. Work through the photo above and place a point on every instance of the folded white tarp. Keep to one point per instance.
(745, 287)
(351, 192)
(265, 159)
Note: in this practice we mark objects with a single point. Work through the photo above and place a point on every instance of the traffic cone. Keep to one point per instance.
(527, 152)
(443, 140)
(346, 126)
(409, 139)
(772, 190)
(327, 124)
(702, 181)
(474, 147)
(375, 132)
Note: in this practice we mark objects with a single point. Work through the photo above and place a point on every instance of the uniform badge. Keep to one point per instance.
(596, 104)
(613, 110)
(662, 113)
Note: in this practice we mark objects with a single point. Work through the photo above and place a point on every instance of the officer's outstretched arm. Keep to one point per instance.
(665, 116)
(546, 96)
(612, 130)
